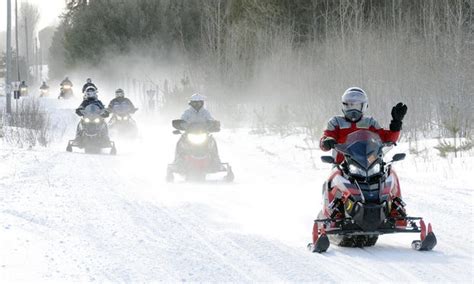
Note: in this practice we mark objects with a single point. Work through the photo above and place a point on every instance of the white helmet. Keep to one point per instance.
(354, 103)
(197, 98)
(196, 101)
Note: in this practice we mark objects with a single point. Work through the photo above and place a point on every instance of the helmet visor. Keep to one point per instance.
(197, 105)
(90, 94)
(352, 106)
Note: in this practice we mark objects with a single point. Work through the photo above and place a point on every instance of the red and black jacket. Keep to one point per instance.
(339, 128)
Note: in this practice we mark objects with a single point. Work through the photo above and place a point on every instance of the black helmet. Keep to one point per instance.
(119, 93)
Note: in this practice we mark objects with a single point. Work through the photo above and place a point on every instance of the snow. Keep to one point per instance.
(82, 218)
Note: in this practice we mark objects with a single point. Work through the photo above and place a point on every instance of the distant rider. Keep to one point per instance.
(90, 97)
(196, 114)
(88, 84)
(44, 89)
(66, 82)
(121, 99)
(44, 86)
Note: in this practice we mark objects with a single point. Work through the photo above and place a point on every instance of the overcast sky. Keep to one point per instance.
(49, 11)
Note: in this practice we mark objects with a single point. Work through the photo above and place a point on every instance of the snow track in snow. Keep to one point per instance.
(78, 217)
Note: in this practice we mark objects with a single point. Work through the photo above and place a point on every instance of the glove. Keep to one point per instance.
(105, 113)
(329, 143)
(399, 111)
(79, 111)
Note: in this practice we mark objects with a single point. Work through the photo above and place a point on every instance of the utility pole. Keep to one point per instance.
(27, 51)
(36, 61)
(16, 42)
(8, 80)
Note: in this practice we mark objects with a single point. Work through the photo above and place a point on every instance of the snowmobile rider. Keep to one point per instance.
(197, 113)
(44, 86)
(90, 97)
(44, 89)
(354, 106)
(121, 99)
(65, 82)
(88, 84)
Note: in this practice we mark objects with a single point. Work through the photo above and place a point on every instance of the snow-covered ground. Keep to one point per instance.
(77, 217)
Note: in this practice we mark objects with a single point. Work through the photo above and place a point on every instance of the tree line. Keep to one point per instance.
(300, 53)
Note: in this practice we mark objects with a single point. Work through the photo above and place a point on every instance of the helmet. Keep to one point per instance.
(354, 103)
(197, 101)
(119, 93)
(90, 94)
(197, 98)
(89, 80)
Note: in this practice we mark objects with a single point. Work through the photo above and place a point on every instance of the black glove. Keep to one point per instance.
(329, 143)
(105, 113)
(79, 111)
(398, 113)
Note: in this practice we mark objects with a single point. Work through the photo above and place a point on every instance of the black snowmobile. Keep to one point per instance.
(93, 133)
(121, 121)
(66, 92)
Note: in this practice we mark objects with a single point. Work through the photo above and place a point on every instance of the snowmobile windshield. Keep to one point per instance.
(121, 109)
(363, 146)
(197, 127)
(92, 110)
(208, 127)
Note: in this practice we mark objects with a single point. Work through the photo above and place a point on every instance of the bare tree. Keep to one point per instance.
(28, 22)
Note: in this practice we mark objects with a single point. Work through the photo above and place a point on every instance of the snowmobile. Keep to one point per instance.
(66, 92)
(122, 122)
(92, 131)
(194, 155)
(362, 198)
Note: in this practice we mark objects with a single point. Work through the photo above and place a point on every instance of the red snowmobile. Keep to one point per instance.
(362, 198)
(196, 152)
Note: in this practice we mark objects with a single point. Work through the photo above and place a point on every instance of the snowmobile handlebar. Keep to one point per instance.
(209, 126)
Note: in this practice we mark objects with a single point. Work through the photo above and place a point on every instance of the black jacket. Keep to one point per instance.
(66, 82)
(121, 101)
(85, 103)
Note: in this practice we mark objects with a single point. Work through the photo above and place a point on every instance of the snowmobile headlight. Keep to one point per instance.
(374, 170)
(125, 118)
(67, 87)
(97, 120)
(87, 120)
(119, 117)
(197, 138)
(355, 170)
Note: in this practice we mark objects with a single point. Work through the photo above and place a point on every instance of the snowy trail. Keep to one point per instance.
(76, 217)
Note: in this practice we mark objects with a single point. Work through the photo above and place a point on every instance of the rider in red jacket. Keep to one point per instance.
(354, 105)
